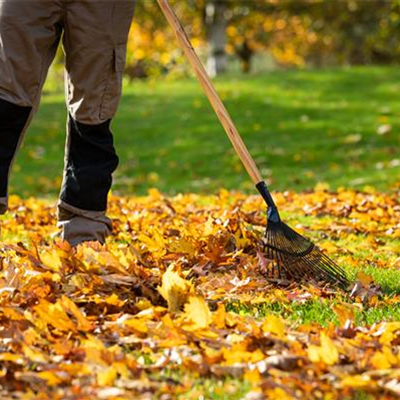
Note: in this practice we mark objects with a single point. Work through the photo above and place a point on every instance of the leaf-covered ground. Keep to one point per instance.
(179, 303)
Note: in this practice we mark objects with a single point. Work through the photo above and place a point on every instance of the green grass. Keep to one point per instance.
(214, 389)
(302, 127)
(318, 311)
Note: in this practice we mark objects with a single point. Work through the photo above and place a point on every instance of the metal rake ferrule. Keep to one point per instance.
(272, 212)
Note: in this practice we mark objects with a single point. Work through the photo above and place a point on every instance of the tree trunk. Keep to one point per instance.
(245, 54)
(216, 24)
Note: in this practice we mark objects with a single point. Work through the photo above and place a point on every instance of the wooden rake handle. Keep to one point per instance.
(211, 93)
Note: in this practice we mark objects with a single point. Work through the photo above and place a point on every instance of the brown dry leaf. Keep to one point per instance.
(365, 279)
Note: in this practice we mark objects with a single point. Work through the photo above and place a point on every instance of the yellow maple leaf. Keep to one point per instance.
(197, 311)
(384, 359)
(239, 354)
(357, 381)
(175, 289)
(345, 312)
(278, 394)
(136, 324)
(253, 376)
(51, 377)
(113, 300)
(154, 242)
(241, 239)
(52, 260)
(34, 354)
(54, 315)
(70, 307)
(107, 376)
(273, 324)
(389, 330)
(182, 245)
(209, 227)
(94, 349)
(16, 358)
(219, 316)
(326, 353)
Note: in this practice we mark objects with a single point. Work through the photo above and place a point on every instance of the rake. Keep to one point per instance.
(291, 252)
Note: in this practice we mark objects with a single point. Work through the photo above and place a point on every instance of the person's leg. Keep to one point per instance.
(95, 40)
(13, 119)
(29, 34)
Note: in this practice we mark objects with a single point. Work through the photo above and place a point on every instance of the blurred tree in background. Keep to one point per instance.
(152, 48)
(294, 33)
(291, 33)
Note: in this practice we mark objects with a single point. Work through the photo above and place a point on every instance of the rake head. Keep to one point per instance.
(291, 252)
(298, 257)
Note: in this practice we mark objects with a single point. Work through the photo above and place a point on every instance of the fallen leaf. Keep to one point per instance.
(326, 352)
(175, 289)
(197, 311)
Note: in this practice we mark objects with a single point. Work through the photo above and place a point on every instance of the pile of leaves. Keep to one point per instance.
(180, 302)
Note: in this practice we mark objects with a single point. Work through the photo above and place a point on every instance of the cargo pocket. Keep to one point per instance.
(113, 90)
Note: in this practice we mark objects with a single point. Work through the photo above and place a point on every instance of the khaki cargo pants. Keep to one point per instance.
(94, 36)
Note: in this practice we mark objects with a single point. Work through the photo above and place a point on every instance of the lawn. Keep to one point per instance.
(339, 126)
(180, 302)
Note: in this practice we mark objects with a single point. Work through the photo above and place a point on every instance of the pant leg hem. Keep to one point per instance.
(3, 205)
(99, 216)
